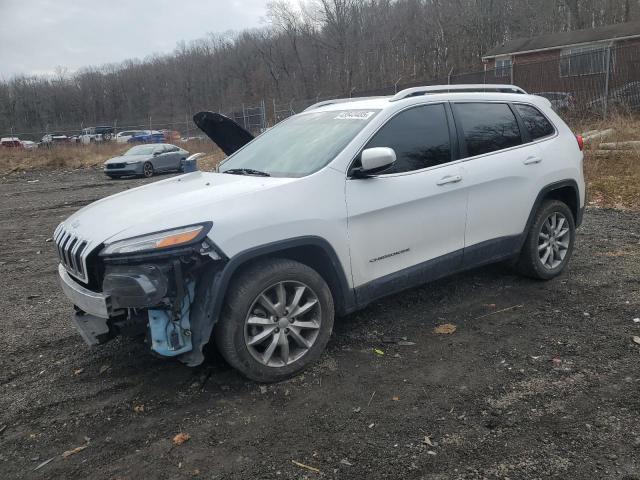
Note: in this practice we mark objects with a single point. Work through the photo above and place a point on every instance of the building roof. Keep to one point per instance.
(563, 39)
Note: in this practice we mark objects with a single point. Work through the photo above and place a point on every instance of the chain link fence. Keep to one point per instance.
(593, 83)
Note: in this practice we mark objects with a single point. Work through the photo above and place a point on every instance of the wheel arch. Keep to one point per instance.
(566, 191)
(312, 251)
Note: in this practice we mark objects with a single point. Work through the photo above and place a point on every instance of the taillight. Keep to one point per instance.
(580, 142)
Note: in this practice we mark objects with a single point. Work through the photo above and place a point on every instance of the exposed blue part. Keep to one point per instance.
(190, 165)
(172, 338)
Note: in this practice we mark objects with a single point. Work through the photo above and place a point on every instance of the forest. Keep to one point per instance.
(314, 49)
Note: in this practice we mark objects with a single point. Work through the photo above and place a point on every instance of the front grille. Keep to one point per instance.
(72, 252)
(114, 165)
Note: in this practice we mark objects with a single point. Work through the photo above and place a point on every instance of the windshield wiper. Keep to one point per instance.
(246, 171)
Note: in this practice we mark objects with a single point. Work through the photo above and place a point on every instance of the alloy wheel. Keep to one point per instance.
(282, 324)
(553, 240)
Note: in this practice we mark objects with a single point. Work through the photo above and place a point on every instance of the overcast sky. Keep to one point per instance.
(36, 36)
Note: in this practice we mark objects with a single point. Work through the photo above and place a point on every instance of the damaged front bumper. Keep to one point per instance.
(93, 303)
(167, 301)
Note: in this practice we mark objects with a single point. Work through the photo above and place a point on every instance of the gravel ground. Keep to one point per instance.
(549, 387)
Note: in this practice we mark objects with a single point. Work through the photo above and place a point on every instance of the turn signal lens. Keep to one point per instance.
(178, 238)
(580, 142)
(156, 241)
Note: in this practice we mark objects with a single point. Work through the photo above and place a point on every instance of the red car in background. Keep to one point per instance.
(171, 136)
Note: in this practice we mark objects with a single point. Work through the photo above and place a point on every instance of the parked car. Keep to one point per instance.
(10, 142)
(626, 96)
(171, 136)
(560, 101)
(147, 136)
(97, 134)
(146, 160)
(124, 136)
(50, 139)
(327, 211)
(28, 144)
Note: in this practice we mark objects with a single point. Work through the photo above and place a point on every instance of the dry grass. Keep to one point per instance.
(83, 156)
(613, 178)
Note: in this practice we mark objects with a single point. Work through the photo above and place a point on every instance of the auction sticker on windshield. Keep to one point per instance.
(354, 115)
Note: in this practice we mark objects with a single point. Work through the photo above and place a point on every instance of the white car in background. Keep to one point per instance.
(96, 134)
(321, 215)
(124, 136)
(28, 144)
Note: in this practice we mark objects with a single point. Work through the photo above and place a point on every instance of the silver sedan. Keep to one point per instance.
(146, 160)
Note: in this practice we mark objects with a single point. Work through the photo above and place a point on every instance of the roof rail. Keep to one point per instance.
(475, 87)
(336, 100)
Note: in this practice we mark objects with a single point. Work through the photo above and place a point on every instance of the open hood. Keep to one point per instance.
(224, 132)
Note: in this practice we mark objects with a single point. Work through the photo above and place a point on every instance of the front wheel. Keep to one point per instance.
(277, 320)
(147, 169)
(549, 243)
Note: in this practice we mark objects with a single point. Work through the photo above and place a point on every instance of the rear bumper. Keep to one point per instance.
(93, 303)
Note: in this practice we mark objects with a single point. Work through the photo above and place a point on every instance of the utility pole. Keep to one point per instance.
(606, 82)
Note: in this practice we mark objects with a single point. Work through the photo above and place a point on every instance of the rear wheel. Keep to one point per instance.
(549, 244)
(277, 320)
(147, 169)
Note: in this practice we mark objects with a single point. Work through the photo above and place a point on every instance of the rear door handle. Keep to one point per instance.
(449, 179)
(532, 160)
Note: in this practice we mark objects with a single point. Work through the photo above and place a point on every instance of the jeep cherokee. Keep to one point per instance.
(344, 203)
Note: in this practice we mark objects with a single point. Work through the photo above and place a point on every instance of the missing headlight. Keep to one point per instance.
(135, 286)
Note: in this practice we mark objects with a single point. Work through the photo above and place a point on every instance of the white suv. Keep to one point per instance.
(335, 207)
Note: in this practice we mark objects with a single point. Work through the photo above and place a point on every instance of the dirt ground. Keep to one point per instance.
(547, 388)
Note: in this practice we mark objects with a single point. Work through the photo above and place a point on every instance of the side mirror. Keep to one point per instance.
(155, 154)
(375, 160)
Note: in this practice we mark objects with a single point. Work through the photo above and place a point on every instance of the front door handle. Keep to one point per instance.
(532, 160)
(449, 179)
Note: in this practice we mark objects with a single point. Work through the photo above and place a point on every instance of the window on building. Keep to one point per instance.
(583, 60)
(503, 67)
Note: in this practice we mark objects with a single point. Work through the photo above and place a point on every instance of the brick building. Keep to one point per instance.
(581, 61)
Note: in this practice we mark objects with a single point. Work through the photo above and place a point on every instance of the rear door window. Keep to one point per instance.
(419, 136)
(487, 127)
(534, 121)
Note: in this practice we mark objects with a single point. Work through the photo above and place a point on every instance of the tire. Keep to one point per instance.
(541, 258)
(245, 319)
(181, 166)
(147, 170)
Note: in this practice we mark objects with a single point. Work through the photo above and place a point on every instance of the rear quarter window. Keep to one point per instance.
(534, 121)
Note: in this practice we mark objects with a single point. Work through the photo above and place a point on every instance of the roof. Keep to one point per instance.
(564, 39)
(382, 103)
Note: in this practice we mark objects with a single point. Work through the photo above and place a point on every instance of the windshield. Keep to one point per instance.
(301, 145)
(141, 150)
